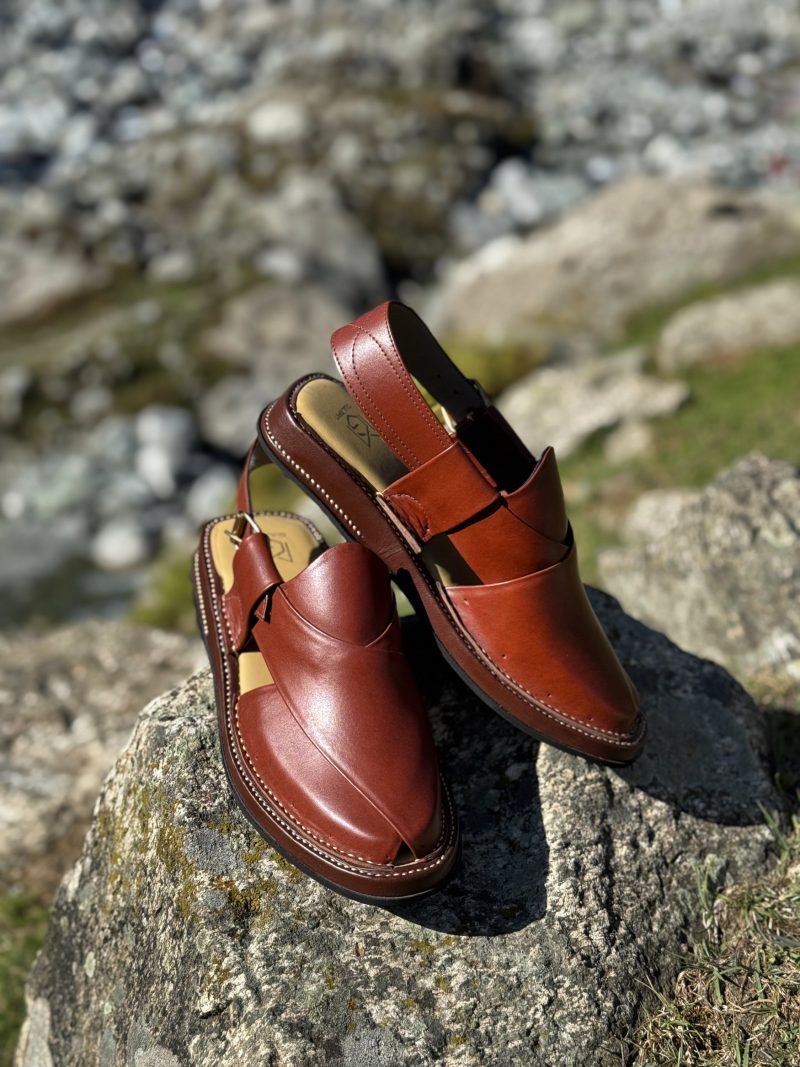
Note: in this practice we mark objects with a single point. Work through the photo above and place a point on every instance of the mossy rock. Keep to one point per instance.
(177, 938)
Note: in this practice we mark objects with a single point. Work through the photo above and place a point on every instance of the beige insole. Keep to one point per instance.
(328, 408)
(293, 547)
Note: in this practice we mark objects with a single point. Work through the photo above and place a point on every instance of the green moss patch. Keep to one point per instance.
(644, 326)
(251, 904)
(101, 339)
(495, 366)
(733, 410)
(168, 600)
(23, 920)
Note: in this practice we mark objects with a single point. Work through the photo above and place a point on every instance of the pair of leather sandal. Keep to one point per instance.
(324, 737)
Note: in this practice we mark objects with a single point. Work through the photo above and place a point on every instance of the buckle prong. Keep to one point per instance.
(450, 423)
(241, 520)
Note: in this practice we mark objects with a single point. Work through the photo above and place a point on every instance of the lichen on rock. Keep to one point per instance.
(180, 937)
(721, 573)
(69, 701)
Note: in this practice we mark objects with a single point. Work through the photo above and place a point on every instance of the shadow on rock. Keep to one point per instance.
(783, 729)
(705, 756)
(707, 751)
(500, 885)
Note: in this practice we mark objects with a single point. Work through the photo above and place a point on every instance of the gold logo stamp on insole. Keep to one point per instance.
(358, 425)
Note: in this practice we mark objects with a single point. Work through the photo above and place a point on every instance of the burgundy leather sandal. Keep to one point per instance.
(467, 521)
(324, 737)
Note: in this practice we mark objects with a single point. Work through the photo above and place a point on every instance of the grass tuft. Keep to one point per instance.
(168, 600)
(495, 366)
(23, 920)
(737, 1002)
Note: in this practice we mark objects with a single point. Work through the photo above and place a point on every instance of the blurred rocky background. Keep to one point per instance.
(595, 204)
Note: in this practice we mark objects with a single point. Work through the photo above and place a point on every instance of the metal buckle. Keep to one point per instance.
(241, 520)
(450, 423)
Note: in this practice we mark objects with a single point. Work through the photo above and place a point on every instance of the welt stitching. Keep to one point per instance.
(218, 617)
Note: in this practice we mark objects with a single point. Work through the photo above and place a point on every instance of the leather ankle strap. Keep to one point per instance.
(379, 356)
(255, 458)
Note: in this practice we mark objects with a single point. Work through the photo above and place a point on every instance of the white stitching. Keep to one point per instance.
(306, 475)
(200, 602)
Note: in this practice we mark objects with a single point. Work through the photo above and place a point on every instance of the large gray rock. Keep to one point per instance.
(278, 331)
(719, 570)
(732, 326)
(564, 405)
(35, 280)
(68, 702)
(643, 243)
(181, 938)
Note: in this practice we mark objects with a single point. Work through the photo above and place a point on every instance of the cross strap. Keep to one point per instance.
(254, 577)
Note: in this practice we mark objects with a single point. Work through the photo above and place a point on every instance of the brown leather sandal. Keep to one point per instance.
(323, 734)
(470, 524)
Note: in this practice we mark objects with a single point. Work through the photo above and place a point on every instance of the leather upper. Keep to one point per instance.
(340, 741)
(551, 643)
(503, 511)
